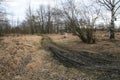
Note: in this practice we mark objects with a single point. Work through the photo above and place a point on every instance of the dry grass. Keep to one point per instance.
(103, 44)
(104, 48)
(14, 50)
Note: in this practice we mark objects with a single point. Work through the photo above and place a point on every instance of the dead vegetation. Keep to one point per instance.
(103, 45)
(15, 54)
(103, 56)
(23, 58)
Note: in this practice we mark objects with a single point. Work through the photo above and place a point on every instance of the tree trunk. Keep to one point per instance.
(112, 34)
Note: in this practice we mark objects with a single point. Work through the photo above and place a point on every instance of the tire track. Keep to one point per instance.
(81, 60)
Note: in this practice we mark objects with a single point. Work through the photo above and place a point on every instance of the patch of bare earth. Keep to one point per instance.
(103, 48)
(103, 45)
(23, 58)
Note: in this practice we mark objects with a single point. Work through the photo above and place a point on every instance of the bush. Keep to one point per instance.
(86, 35)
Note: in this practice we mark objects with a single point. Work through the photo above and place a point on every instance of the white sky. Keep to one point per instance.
(17, 8)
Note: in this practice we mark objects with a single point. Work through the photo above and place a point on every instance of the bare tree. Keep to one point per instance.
(81, 20)
(4, 23)
(1, 18)
(41, 18)
(49, 20)
(113, 6)
(57, 19)
(45, 21)
(30, 19)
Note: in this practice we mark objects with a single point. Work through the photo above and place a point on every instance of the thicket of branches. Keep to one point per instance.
(79, 20)
(4, 23)
(70, 16)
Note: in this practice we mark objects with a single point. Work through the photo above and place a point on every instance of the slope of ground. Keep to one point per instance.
(110, 48)
(85, 60)
(104, 48)
(23, 58)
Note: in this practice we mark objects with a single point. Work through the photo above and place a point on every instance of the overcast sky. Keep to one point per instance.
(17, 8)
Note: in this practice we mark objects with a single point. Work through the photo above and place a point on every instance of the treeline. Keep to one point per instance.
(45, 20)
(70, 16)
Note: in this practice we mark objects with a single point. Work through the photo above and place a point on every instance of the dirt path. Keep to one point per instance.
(83, 60)
(23, 58)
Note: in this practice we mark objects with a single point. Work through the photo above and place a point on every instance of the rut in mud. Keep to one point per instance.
(81, 59)
(24, 58)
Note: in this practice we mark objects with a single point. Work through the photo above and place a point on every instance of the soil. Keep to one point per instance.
(22, 57)
(103, 45)
(101, 64)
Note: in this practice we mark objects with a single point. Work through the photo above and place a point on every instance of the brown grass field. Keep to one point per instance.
(23, 58)
(102, 46)
(41, 66)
